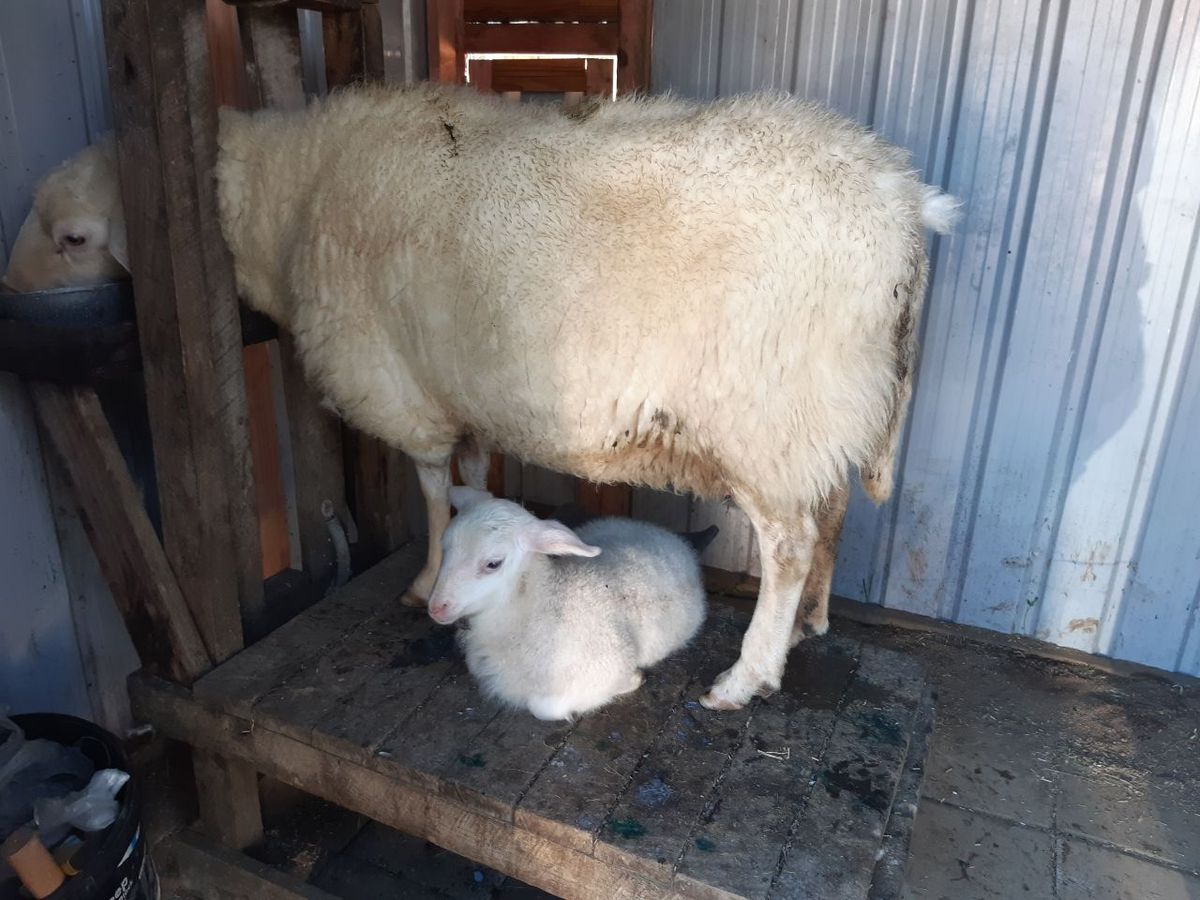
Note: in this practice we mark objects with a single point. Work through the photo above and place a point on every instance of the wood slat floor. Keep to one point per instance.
(809, 792)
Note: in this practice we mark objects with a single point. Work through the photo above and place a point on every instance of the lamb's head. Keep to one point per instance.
(75, 232)
(487, 548)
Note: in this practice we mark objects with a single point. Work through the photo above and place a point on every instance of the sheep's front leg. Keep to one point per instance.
(812, 618)
(786, 547)
(435, 485)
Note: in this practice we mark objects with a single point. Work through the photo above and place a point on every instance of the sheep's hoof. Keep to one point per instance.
(408, 598)
(712, 701)
(735, 687)
(807, 630)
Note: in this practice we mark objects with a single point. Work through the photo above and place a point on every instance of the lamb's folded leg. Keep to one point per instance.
(435, 485)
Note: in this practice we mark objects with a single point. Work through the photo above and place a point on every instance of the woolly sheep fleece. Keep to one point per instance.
(719, 298)
(563, 635)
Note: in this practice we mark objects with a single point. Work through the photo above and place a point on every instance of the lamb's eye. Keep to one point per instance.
(75, 240)
(493, 564)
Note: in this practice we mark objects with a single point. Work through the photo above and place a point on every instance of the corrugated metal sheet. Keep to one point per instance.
(53, 101)
(1051, 477)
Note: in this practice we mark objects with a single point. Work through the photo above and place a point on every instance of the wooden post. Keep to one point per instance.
(445, 26)
(187, 310)
(237, 825)
(190, 331)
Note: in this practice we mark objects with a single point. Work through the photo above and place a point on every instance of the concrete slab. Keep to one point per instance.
(1088, 872)
(958, 854)
(1003, 772)
(1163, 823)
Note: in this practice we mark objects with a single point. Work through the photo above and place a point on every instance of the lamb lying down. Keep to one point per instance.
(561, 623)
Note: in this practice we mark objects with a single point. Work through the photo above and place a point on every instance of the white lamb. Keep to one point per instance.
(553, 632)
(718, 298)
(75, 233)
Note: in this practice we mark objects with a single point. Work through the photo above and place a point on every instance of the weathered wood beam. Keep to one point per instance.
(536, 860)
(211, 872)
(129, 553)
(187, 310)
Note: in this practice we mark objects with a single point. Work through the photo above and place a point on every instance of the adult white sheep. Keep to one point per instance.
(718, 298)
(75, 232)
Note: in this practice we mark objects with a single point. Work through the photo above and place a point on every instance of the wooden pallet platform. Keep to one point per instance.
(808, 793)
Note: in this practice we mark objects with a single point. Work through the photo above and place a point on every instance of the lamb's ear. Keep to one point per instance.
(554, 539)
(463, 498)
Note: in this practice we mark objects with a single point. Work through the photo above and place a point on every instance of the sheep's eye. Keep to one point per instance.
(75, 240)
(493, 564)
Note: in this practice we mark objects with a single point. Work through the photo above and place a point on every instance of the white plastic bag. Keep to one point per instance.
(92, 809)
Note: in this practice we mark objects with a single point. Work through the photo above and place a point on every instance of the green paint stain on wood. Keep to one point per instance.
(474, 761)
(627, 828)
(705, 845)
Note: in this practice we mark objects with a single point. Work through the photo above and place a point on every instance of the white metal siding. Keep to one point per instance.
(1051, 477)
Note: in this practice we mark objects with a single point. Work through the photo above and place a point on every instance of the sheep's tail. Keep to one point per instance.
(939, 212)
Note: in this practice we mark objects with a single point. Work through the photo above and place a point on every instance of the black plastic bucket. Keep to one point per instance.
(113, 864)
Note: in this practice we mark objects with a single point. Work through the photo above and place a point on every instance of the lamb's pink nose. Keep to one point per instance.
(438, 611)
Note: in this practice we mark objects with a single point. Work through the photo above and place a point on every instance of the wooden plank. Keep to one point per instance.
(652, 823)
(134, 564)
(438, 731)
(209, 871)
(311, 698)
(541, 10)
(633, 55)
(494, 769)
(353, 46)
(604, 499)
(270, 41)
(583, 39)
(264, 445)
(739, 842)
(536, 75)
(598, 77)
(661, 507)
(237, 684)
(856, 782)
(530, 858)
(317, 465)
(400, 681)
(322, 6)
(378, 482)
(606, 748)
(227, 791)
(444, 24)
(187, 311)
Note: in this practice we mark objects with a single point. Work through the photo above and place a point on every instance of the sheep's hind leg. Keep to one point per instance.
(786, 546)
(435, 485)
(812, 618)
(473, 462)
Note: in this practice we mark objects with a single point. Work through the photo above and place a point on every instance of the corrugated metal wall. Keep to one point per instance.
(53, 101)
(1051, 476)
